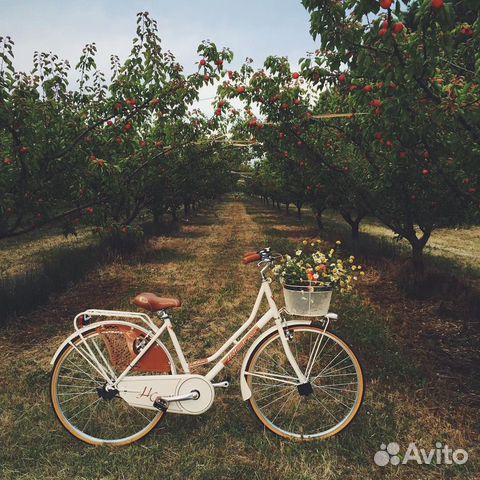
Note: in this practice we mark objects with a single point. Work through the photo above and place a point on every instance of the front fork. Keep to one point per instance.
(303, 378)
(288, 352)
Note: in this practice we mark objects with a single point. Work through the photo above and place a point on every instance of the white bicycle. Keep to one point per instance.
(113, 380)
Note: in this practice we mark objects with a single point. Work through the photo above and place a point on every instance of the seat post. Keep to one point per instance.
(162, 314)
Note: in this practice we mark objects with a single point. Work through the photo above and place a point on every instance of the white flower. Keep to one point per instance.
(298, 253)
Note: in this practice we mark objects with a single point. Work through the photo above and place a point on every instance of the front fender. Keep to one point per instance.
(244, 388)
(93, 326)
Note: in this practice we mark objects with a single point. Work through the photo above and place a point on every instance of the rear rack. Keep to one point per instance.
(114, 313)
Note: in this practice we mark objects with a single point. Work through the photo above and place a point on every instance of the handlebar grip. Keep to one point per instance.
(253, 257)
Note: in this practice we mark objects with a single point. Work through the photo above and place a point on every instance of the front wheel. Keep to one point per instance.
(323, 406)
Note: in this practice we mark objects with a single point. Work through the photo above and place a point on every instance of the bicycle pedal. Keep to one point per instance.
(160, 404)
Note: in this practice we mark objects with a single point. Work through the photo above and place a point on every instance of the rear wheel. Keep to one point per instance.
(323, 406)
(80, 399)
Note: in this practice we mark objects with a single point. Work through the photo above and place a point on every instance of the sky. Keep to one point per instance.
(250, 28)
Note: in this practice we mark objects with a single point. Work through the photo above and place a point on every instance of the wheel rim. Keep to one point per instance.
(86, 408)
(335, 379)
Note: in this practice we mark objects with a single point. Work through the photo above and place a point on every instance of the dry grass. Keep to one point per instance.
(18, 255)
(202, 264)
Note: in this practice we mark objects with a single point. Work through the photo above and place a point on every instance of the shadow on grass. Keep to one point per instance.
(63, 267)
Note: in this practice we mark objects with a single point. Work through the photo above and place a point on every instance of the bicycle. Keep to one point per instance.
(114, 380)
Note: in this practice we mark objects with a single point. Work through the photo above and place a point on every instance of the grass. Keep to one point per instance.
(44, 263)
(404, 401)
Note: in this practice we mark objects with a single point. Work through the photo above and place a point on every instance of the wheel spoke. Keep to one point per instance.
(86, 407)
(291, 411)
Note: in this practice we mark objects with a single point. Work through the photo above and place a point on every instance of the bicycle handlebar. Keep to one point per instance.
(264, 255)
(251, 257)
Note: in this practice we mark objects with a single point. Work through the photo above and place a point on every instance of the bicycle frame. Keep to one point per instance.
(224, 354)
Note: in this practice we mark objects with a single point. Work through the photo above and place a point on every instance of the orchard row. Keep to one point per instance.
(383, 119)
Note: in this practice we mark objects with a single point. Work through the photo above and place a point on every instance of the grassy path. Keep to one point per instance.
(202, 264)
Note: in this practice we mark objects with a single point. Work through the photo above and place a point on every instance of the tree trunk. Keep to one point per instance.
(355, 230)
(287, 207)
(418, 244)
(299, 211)
(354, 224)
(174, 214)
(318, 217)
(417, 258)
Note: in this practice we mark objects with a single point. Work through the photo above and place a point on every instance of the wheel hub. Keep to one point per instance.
(305, 389)
(107, 394)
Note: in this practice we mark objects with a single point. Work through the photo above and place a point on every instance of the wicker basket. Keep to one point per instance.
(309, 300)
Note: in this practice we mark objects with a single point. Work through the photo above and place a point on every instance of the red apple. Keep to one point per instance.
(110, 123)
(203, 62)
(386, 3)
(7, 161)
(382, 32)
(218, 112)
(24, 150)
(342, 78)
(367, 88)
(402, 154)
(219, 62)
(241, 89)
(295, 75)
(206, 77)
(438, 4)
(425, 172)
(398, 27)
(89, 210)
(297, 101)
(376, 103)
(119, 140)
(281, 135)
(285, 154)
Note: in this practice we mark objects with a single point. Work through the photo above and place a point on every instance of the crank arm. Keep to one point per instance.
(224, 384)
(162, 402)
